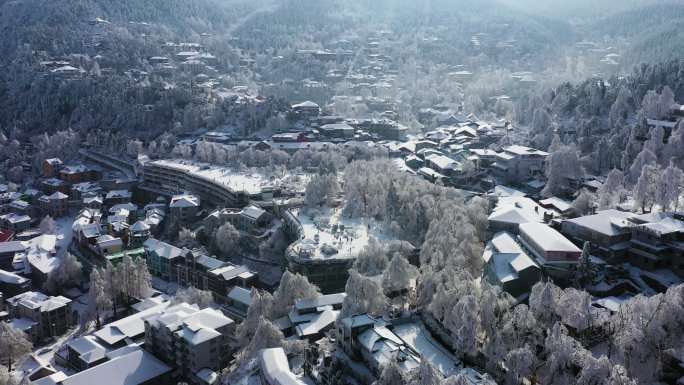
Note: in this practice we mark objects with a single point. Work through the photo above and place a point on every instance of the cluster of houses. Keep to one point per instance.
(545, 237)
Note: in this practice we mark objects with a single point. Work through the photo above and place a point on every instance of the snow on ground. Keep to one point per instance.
(64, 234)
(419, 339)
(343, 237)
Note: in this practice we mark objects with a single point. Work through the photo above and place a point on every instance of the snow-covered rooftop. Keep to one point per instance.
(607, 222)
(132, 367)
(225, 177)
(275, 367)
(547, 238)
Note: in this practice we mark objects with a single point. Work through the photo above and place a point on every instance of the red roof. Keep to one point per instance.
(6, 235)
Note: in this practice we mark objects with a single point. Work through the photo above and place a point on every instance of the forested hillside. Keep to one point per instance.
(607, 119)
(653, 33)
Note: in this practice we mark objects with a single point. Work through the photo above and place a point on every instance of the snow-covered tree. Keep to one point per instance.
(521, 363)
(586, 268)
(48, 225)
(261, 307)
(452, 240)
(459, 378)
(186, 238)
(67, 274)
(427, 374)
(672, 153)
(392, 375)
(584, 203)
(594, 370)
(292, 287)
(399, 275)
(372, 259)
(645, 158)
(610, 193)
(321, 190)
(655, 142)
(645, 190)
(14, 344)
(194, 296)
(134, 148)
(563, 166)
(575, 309)
(463, 323)
(621, 108)
(227, 239)
(561, 353)
(556, 144)
(98, 298)
(364, 295)
(669, 187)
(543, 301)
(266, 336)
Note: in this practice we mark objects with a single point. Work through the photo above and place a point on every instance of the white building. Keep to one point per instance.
(191, 339)
(519, 163)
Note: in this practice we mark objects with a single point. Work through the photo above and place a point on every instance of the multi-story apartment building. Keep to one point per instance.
(519, 163)
(183, 208)
(190, 339)
(43, 316)
(215, 185)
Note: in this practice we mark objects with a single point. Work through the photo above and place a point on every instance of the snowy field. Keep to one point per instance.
(329, 234)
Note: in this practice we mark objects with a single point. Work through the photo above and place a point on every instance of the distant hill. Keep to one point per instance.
(62, 25)
(655, 32)
(579, 8)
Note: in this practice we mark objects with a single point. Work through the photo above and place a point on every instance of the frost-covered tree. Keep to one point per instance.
(521, 363)
(134, 148)
(563, 166)
(669, 187)
(645, 327)
(584, 203)
(194, 296)
(14, 344)
(556, 144)
(645, 190)
(391, 375)
(645, 158)
(674, 149)
(452, 240)
(459, 378)
(621, 108)
(399, 276)
(655, 142)
(575, 309)
(543, 301)
(426, 374)
(261, 307)
(186, 238)
(48, 225)
(67, 274)
(292, 287)
(227, 239)
(372, 259)
(321, 190)
(463, 323)
(266, 336)
(364, 295)
(98, 298)
(561, 353)
(611, 192)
